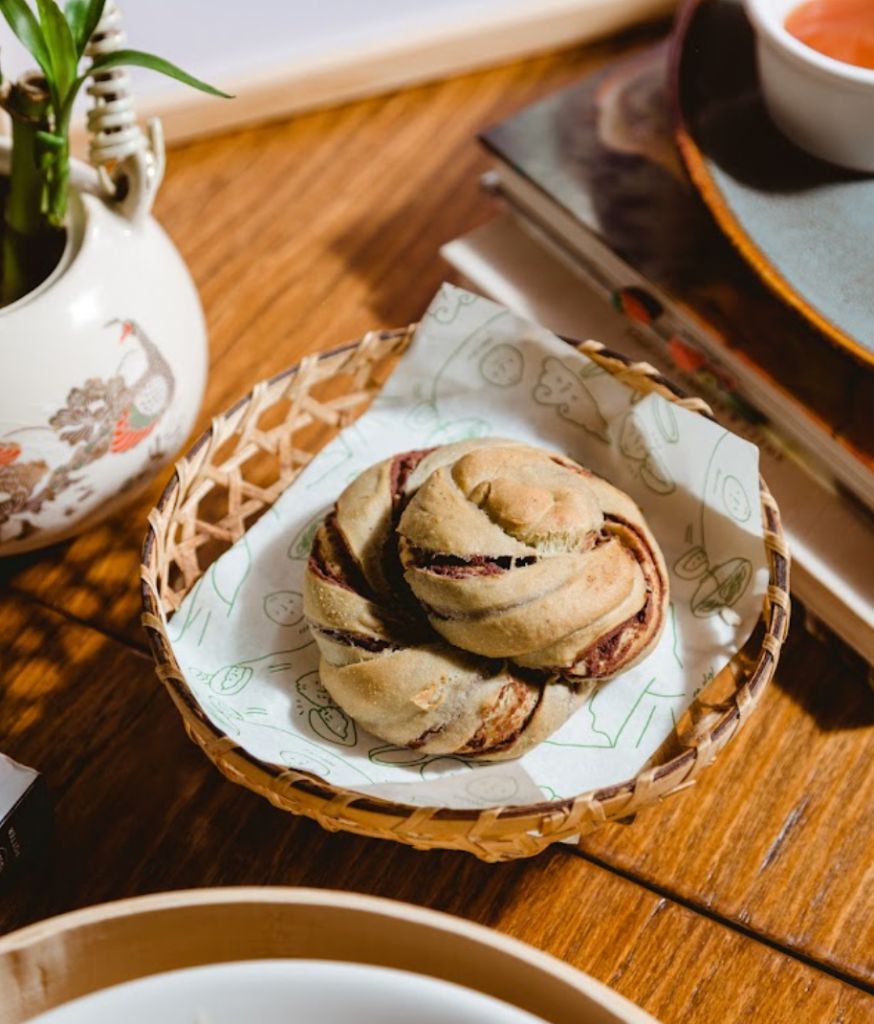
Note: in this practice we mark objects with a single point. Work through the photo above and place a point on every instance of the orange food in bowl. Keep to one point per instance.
(841, 29)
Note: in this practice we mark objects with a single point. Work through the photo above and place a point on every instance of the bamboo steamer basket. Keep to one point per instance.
(241, 465)
(76, 954)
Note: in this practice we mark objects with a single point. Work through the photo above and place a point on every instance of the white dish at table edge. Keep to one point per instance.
(287, 992)
(53, 962)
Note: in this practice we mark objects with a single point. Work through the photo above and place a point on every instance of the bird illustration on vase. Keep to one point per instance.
(9, 452)
(101, 417)
(150, 388)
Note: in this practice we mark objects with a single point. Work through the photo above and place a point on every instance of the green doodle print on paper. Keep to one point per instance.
(307, 762)
(392, 755)
(428, 765)
(231, 679)
(502, 366)
(333, 458)
(492, 787)
(639, 444)
(548, 792)
(426, 412)
(325, 719)
(676, 634)
(666, 421)
(649, 466)
(231, 719)
(634, 725)
(315, 758)
(564, 388)
(723, 584)
(228, 574)
(302, 542)
(312, 700)
(284, 607)
(195, 615)
(735, 500)
(720, 586)
(449, 304)
(458, 430)
(706, 679)
(308, 754)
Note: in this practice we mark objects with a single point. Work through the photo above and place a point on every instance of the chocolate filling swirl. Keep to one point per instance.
(466, 599)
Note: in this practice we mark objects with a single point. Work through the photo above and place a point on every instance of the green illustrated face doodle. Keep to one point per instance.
(449, 304)
(692, 564)
(502, 366)
(397, 755)
(656, 475)
(230, 679)
(721, 587)
(560, 387)
(666, 421)
(325, 718)
(436, 767)
(284, 607)
(430, 765)
(459, 430)
(650, 467)
(228, 716)
(497, 788)
(632, 443)
(735, 499)
(422, 416)
(306, 762)
(299, 549)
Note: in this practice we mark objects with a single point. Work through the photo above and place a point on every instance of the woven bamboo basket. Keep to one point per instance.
(241, 465)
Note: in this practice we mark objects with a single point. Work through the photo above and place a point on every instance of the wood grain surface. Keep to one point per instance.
(140, 810)
(746, 897)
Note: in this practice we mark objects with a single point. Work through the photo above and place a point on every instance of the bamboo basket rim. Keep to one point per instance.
(495, 833)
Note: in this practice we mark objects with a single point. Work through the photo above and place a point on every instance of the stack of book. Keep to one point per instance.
(25, 817)
(602, 236)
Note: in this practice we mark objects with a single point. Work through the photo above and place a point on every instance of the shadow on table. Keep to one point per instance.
(825, 679)
(138, 808)
(93, 577)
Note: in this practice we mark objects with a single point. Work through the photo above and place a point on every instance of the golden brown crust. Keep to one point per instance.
(468, 598)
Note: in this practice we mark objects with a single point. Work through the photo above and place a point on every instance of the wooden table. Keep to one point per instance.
(745, 898)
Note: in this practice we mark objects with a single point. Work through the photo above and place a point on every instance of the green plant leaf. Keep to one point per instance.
(23, 23)
(82, 17)
(136, 58)
(59, 40)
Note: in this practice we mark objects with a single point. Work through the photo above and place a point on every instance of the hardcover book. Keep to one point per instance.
(831, 539)
(24, 816)
(594, 169)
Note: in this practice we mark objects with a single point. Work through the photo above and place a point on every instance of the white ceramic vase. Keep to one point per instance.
(102, 371)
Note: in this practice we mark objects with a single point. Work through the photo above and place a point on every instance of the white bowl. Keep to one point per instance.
(823, 105)
(286, 991)
(113, 960)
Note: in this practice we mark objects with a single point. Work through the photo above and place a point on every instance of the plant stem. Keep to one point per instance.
(31, 246)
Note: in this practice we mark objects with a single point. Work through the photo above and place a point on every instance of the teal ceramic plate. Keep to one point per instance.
(805, 226)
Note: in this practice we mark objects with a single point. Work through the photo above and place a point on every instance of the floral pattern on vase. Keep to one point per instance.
(101, 418)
